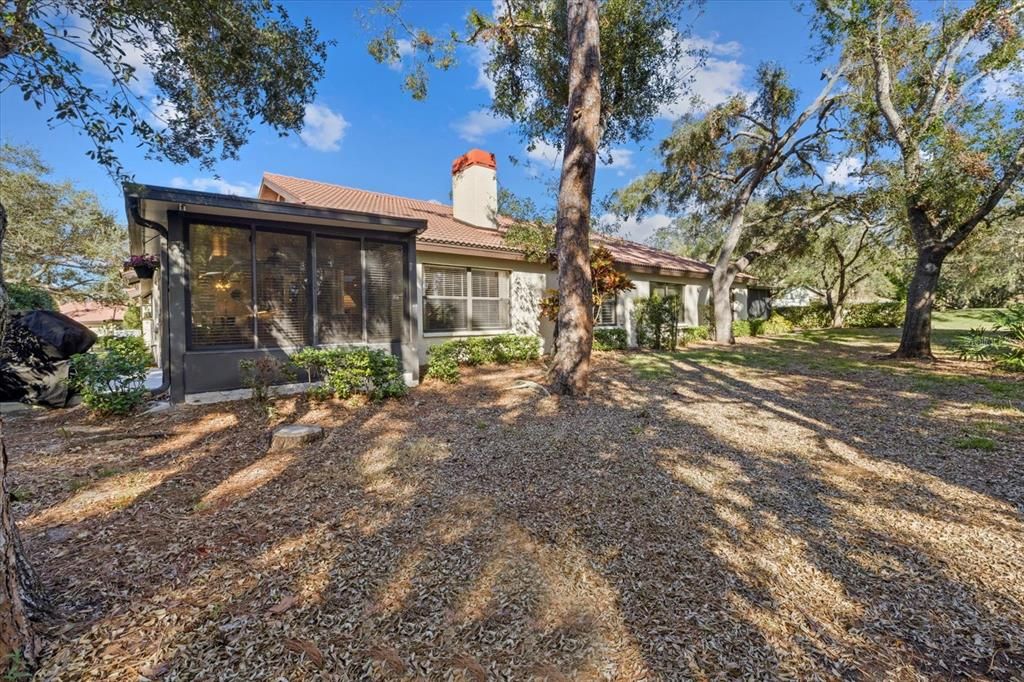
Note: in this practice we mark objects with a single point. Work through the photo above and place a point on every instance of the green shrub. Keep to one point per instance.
(657, 321)
(774, 325)
(111, 377)
(814, 316)
(610, 338)
(260, 374)
(691, 334)
(884, 314)
(349, 371)
(444, 358)
(132, 317)
(24, 297)
(742, 328)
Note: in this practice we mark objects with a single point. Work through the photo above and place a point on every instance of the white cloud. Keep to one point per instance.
(79, 30)
(323, 129)
(1003, 85)
(844, 172)
(404, 50)
(242, 189)
(638, 230)
(478, 124)
(621, 158)
(161, 113)
(544, 152)
(718, 79)
(481, 55)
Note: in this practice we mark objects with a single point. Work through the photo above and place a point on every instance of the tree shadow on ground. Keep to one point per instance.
(715, 520)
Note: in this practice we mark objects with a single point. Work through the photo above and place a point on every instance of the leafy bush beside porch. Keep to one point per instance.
(445, 358)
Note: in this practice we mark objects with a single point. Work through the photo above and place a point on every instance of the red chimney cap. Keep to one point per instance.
(474, 157)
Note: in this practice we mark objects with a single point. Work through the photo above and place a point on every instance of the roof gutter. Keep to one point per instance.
(132, 206)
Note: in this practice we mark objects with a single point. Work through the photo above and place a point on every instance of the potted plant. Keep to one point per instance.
(143, 265)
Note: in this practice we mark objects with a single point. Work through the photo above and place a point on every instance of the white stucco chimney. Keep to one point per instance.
(475, 188)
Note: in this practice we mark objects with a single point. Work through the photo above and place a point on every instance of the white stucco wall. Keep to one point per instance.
(739, 303)
(529, 281)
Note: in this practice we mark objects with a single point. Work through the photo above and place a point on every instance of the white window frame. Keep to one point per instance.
(680, 288)
(504, 286)
(614, 300)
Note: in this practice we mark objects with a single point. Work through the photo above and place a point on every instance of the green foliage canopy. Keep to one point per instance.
(59, 240)
(186, 79)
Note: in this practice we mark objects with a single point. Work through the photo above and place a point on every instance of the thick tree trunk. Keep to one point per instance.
(721, 300)
(17, 640)
(916, 341)
(570, 369)
(838, 316)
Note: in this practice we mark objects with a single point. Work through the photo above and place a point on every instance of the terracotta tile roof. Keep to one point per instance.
(91, 312)
(444, 229)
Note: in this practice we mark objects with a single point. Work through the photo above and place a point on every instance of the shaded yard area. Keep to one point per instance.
(787, 507)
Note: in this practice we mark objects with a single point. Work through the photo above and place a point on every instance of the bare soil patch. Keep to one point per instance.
(785, 516)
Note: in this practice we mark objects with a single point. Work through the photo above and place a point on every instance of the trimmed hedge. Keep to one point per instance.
(691, 334)
(858, 315)
(613, 338)
(812, 316)
(349, 371)
(444, 358)
(886, 314)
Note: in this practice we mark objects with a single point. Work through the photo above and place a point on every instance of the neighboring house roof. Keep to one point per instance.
(92, 313)
(444, 230)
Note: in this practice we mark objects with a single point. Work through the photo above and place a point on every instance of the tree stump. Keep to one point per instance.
(294, 436)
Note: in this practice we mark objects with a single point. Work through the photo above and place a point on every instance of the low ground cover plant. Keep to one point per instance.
(345, 372)
(1002, 344)
(445, 358)
(111, 377)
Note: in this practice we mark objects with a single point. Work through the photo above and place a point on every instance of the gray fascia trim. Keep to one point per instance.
(275, 208)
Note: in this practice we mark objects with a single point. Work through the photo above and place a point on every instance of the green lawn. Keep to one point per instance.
(850, 354)
(963, 320)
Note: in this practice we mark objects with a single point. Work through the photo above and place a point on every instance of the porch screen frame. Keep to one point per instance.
(311, 233)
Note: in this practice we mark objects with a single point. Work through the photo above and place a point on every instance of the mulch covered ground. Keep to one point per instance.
(775, 518)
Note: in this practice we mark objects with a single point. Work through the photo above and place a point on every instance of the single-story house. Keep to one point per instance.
(310, 262)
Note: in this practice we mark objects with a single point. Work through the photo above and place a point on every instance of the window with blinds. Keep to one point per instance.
(339, 299)
(606, 313)
(220, 263)
(282, 290)
(385, 291)
(464, 299)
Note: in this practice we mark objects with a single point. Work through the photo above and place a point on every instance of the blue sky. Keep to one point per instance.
(365, 132)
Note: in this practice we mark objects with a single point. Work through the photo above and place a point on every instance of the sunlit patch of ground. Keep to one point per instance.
(788, 507)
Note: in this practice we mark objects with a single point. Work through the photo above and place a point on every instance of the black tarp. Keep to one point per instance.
(35, 357)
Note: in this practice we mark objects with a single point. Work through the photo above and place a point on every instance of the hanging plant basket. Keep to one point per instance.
(143, 265)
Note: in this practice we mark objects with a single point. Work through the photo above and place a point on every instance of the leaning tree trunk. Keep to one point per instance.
(17, 640)
(916, 341)
(570, 369)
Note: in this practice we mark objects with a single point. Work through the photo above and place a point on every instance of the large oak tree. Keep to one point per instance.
(741, 155)
(184, 79)
(937, 99)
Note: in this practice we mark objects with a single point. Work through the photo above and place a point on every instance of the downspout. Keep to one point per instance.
(165, 318)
